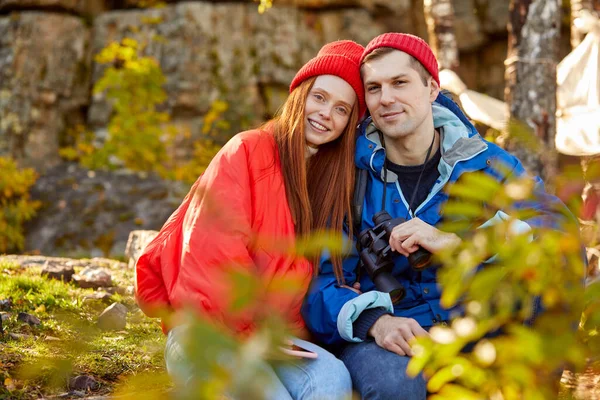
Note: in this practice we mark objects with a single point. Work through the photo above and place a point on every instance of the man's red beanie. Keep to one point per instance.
(410, 44)
(342, 59)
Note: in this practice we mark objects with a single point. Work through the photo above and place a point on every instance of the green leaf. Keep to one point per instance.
(476, 186)
(442, 377)
(463, 209)
(485, 283)
(457, 392)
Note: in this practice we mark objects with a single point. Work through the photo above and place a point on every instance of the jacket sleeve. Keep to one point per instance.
(329, 309)
(150, 290)
(187, 265)
(216, 235)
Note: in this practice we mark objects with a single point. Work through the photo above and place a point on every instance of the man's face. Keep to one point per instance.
(397, 99)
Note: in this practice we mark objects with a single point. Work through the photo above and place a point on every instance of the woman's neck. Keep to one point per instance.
(310, 151)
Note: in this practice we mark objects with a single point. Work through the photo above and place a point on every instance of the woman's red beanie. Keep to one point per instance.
(340, 58)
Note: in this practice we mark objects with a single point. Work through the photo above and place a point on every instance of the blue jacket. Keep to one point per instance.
(329, 309)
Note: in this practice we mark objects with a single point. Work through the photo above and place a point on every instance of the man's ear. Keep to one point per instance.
(434, 90)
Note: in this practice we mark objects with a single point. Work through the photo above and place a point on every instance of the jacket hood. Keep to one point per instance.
(460, 139)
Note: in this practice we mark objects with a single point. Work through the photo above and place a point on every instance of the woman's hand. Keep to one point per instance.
(355, 287)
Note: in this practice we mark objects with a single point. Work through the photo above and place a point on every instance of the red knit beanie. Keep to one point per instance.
(410, 44)
(341, 59)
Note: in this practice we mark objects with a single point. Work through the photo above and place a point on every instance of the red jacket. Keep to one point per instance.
(236, 216)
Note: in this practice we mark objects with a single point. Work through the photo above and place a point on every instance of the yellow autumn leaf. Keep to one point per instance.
(9, 384)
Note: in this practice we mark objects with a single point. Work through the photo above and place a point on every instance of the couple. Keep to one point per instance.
(295, 176)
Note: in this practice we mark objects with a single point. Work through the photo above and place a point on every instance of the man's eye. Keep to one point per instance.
(372, 88)
(399, 82)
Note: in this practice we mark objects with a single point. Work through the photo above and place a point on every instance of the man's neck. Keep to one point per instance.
(412, 150)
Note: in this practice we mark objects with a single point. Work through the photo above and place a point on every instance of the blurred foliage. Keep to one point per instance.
(147, 3)
(133, 84)
(523, 362)
(139, 134)
(488, 352)
(15, 206)
(264, 5)
(204, 149)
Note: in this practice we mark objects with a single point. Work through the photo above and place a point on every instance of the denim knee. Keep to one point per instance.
(325, 377)
(177, 364)
(380, 374)
(394, 386)
(333, 382)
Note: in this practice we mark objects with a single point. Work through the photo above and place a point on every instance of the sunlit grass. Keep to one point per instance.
(37, 361)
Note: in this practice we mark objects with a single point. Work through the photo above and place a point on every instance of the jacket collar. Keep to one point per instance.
(459, 140)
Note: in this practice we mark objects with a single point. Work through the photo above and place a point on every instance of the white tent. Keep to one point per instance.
(578, 96)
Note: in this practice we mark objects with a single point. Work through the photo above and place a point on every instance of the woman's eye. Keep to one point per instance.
(319, 97)
(342, 110)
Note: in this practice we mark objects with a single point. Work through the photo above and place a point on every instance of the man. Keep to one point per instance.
(418, 141)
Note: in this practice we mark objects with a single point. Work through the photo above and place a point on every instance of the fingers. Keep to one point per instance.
(396, 245)
(396, 348)
(354, 289)
(406, 245)
(395, 342)
(411, 244)
(398, 335)
(398, 343)
(418, 330)
(403, 232)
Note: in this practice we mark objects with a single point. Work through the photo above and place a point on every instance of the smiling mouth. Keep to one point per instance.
(391, 115)
(318, 126)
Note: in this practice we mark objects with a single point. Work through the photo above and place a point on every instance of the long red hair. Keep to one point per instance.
(319, 192)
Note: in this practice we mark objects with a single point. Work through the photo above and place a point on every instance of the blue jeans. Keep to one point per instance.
(381, 374)
(325, 377)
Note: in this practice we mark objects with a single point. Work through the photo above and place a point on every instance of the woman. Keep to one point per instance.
(264, 189)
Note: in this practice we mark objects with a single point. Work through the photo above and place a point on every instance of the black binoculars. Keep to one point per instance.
(376, 255)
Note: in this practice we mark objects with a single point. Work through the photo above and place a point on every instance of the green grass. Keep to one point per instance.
(39, 365)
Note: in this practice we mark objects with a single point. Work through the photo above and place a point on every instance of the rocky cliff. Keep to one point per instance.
(208, 51)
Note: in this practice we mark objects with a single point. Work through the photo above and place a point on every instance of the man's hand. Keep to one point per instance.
(395, 333)
(406, 238)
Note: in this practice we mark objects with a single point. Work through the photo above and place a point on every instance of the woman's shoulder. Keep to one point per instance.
(256, 145)
(253, 138)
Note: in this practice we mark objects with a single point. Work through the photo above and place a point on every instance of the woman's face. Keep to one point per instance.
(328, 108)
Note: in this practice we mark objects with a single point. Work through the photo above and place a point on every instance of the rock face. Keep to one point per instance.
(57, 271)
(83, 382)
(93, 278)
(137, 242)
(205, 60)
(93, 212)
(210, 52)
(114, 317)
(86, 8)
(40, 261)
(69, 5)
(28, 319)
(44, 83)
